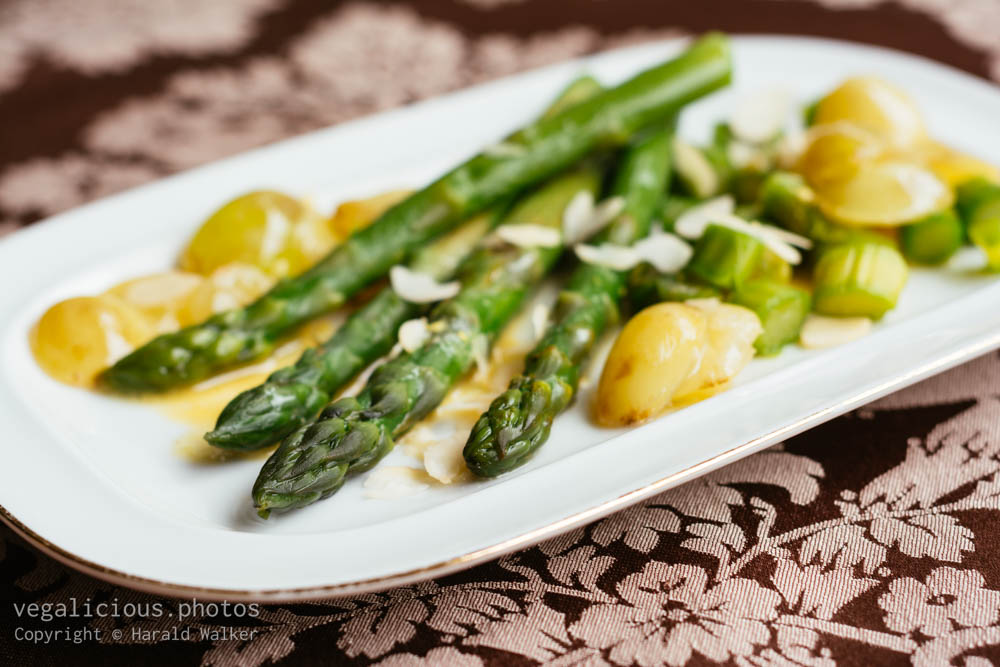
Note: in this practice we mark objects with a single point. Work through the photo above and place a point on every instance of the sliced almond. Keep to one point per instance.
(414, 333)
(419, 287)
(666, 252)
(394, 482)
(820, 331)
(443, 458)
(759, 117)
(578, 226)
(617, 257)
(692, 223)
(529, 235)
(578, 213)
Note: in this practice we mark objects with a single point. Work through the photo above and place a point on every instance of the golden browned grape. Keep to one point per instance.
(78, 337)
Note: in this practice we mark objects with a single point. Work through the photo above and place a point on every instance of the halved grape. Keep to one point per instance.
(277, 233)
(77, 338)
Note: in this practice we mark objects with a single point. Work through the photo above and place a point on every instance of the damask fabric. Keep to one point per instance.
(869, 540)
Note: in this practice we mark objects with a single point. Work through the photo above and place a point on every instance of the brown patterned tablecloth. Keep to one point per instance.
(870, 540)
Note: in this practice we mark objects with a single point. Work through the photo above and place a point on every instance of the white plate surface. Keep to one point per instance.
(96, 483)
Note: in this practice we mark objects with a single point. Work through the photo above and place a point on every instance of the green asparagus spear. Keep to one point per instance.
(538, 151)
(353, 433)
(518, 421)
(292, 396)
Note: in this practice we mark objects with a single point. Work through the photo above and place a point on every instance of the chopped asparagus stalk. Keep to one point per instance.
(979, 205)
(772, 267)
(782, 310)
(862, 279)
(934, 239)
(647, 286)
(725, 257)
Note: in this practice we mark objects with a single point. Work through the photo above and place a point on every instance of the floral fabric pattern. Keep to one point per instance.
(870, 539)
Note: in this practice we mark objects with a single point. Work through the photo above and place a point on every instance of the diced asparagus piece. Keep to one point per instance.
(772, 267)
(647, 286)
(782, 310)
(934, 239)
(978, 203)
(860, 279)
(725, 257)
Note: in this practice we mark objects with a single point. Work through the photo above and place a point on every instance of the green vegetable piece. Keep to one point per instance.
(772, 267)
(519, 421)
(353, 433)
(647, 286)
(292, 396)
(934, 239)
(978, 202)
(724, 257)
(540, 150)
(782, 310)
(859, 279)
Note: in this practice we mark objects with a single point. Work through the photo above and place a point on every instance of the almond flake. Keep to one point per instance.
(609, 255)
(580, 224)
(419, 287)
(666, 252)
(529, 235)
(691, 223)
(761, 116)
(443, 458)
(819, 331)
(413, 334)
(577, 214)
(394, 482)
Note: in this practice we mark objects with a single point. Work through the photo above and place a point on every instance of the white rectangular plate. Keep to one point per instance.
(95, 482)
